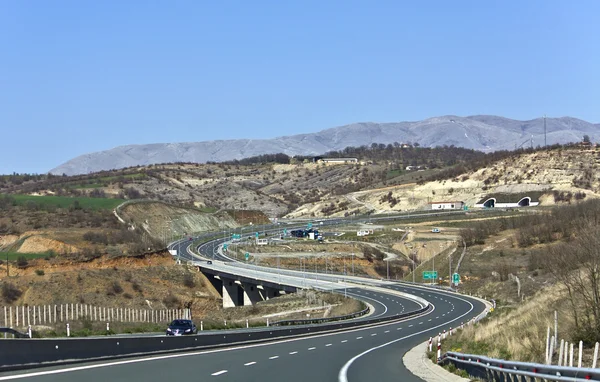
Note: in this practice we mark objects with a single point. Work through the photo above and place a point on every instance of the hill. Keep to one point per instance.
(482, 132)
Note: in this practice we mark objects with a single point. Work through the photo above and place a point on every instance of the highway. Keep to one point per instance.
(370, 352)
(373, 353)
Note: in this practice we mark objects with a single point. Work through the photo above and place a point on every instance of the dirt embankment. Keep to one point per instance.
(151, 281)
(570, 170)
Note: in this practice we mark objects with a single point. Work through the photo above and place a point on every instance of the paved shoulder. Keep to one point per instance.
(416, 362)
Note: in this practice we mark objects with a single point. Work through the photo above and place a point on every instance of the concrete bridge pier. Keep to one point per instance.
(267, 293)
(251, 294)
(231, 293)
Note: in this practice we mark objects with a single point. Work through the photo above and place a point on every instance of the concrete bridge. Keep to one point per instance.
(240, 290)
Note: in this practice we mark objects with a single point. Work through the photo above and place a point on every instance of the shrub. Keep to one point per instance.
(171, 301)
(188, 280)
(22, 262)
(114, 288)
(136, 287)
(40, 272)
(10, 292)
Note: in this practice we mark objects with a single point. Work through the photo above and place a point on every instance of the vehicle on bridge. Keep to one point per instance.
(181, 327)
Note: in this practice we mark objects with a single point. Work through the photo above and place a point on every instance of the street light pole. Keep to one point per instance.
(352, 263)
(388, 268)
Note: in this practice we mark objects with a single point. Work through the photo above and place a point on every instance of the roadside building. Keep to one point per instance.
(451, 205)
(338, 160)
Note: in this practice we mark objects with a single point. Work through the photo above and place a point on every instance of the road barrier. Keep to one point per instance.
(27, 353)
(321, 320)
(491, 369)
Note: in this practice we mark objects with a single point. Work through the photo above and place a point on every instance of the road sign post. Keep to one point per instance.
(247, 256)
(455, 278)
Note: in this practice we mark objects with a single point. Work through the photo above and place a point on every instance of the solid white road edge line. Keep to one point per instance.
(343, 374)
(169, 356)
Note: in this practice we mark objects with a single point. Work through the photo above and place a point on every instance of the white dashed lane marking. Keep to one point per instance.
(274, 357)
(293, 352)
(344, 341)
(311, 348)
(358, 338)
(249, 363)
(328, 345)
(219, 372)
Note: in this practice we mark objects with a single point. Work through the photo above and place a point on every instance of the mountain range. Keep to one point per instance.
(479, 132)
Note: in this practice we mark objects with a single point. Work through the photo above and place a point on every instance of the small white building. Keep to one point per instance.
(452, 205)
(338, 160)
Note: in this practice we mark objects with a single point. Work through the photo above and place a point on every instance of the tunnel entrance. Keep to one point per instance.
(490, 203)
(524, 202)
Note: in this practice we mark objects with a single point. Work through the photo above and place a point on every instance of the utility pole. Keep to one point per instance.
(388, 268)
(545, 142)
(352, 263)
(434, 267)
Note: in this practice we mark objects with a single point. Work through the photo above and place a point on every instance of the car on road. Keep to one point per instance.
(180, 327)
(209, 262)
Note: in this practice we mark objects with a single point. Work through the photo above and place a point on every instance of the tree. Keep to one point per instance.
(577, 266)
(586, 139)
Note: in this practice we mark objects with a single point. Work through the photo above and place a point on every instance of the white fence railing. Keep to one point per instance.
(23, 316)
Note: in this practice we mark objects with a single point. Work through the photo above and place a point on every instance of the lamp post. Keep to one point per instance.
(352, 263)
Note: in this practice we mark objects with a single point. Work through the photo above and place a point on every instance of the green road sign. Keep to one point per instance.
(225, 247)
(455, 278)
(285, 231)
(247, 256)
(257, 234)
(309, 226)
(430, 275)
(236, 236)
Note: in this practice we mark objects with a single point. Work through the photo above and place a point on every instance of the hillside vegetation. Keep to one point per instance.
(534, 265)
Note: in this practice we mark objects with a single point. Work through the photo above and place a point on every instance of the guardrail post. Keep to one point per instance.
(201, 325)
(595, 355)
(267, 322)
(439, 351)
(247, 324)
(29, 331)
(68, 330)
(430, 343)
(580, 353)
(107, 327)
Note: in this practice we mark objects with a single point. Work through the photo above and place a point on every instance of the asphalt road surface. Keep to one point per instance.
(372, 353)
(365, 354)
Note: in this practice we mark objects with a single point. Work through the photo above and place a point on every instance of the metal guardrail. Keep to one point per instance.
(15, 333)
(321, 320)
(491, 369)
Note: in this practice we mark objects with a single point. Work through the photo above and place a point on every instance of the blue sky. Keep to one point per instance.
(82, 76)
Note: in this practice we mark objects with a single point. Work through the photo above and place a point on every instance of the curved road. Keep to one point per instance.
(358, 354)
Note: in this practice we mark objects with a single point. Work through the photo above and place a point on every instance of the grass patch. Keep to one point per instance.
(13, 256)
(66, 202)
